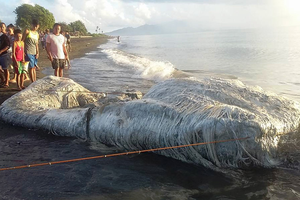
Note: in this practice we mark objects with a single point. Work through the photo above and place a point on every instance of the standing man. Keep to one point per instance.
(31, 41)
(56, 50)
(10, 34)
(67, 35)
(4, 55)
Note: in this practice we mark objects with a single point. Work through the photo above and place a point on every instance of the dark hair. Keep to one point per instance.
(35, 22)
(56, 24)
(10, 26)
(17, 31)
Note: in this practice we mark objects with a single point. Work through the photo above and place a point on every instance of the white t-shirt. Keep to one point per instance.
(56, 45)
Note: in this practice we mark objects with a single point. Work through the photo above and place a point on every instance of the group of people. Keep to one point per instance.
(22, 51)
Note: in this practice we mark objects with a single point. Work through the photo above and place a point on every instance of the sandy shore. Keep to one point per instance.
(125, 177)
(80, 46)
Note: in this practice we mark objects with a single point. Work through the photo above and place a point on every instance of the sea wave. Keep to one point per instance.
(145, 68)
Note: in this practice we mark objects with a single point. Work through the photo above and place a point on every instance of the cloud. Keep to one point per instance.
(114, 14)
(222, 2)
(143, 11)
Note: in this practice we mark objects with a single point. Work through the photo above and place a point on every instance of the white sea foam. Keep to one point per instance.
(145, 68)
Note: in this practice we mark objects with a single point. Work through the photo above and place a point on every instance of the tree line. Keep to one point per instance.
(26, 13)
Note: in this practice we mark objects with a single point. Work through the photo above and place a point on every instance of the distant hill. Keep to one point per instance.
(171, 27)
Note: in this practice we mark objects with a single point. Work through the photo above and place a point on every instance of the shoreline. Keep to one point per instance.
(79, 47)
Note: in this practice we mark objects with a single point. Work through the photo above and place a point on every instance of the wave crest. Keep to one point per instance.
(145, 68)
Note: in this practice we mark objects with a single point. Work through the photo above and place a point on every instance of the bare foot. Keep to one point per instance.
(4, 86)
(12, 81)
(26, 78)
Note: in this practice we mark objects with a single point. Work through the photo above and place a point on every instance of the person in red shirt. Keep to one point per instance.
(18, 58)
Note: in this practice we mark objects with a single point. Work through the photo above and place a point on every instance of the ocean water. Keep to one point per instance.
(264, 58)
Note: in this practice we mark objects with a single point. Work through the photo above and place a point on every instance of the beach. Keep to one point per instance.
(144, 176)
(151, 64)
(147, 176)
(80, 46)
(21, 146)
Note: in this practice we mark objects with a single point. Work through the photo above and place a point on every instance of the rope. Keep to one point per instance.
(89, 92)
(118, 154)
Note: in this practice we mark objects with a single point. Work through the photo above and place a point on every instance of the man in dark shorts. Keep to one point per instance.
(56, 50)
(4, 55)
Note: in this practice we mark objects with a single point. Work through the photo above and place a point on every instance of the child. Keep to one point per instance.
(19, 58)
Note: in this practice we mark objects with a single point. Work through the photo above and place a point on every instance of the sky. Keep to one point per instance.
(111, 15)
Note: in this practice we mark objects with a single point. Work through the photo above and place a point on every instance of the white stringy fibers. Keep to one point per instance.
(173, 112)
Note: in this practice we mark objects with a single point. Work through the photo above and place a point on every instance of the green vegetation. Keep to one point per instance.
(96, 34)
(78, 26)
(65, 26)
(26, 12)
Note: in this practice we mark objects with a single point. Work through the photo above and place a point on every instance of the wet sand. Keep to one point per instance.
(134, 177)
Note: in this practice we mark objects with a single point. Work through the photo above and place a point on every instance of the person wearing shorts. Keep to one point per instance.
(56, 50)
(4, 56)
(31, 40)
(58, 63)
